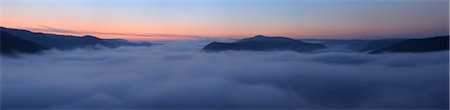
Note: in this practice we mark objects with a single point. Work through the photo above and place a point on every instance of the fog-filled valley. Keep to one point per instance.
(180, 75)
(224, 54)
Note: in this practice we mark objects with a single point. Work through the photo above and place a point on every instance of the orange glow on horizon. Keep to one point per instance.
(174, 20)
(137, 32)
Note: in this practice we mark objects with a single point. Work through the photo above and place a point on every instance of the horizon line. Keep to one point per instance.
(78, 33)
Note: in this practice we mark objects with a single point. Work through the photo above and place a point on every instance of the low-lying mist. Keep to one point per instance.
(174, 76)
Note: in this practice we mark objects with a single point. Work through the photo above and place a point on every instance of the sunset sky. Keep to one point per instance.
(194, 19)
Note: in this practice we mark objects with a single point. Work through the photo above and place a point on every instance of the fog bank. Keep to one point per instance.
(170, 76)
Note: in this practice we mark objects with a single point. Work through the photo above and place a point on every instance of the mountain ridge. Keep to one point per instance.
(54, 41)
(265, 43)
(430, 44)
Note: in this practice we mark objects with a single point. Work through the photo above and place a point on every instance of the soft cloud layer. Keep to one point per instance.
(168, 76)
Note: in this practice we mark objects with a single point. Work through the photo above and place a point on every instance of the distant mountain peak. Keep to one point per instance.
(265, 43)
(262, 38)
(259, 36)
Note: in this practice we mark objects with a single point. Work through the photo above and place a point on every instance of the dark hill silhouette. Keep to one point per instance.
(25, 39)
(11, 45)
(264, 43)
(261, 38)
(431, 44)
(61, 42)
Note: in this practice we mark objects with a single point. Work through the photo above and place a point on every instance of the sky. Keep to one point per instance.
(197, 19)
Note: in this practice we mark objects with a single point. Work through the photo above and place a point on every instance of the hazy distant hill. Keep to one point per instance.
(340, 45)
(378, 44)
(431, 44)
(264, 43)
(123, 42)
(388, 45)
(37, 41)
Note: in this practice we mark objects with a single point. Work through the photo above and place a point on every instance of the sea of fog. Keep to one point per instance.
(178, 75)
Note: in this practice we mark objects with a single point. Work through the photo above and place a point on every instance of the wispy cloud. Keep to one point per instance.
(141, 35)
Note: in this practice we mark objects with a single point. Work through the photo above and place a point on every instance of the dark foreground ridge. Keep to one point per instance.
(264, 43)
(432, 44)
(15, 41)
(11, 44)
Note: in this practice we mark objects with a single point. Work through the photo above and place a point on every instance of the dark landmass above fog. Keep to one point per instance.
(358, 45)
(432, 44)
(24, 41)
(11, 44)
(264, 43)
